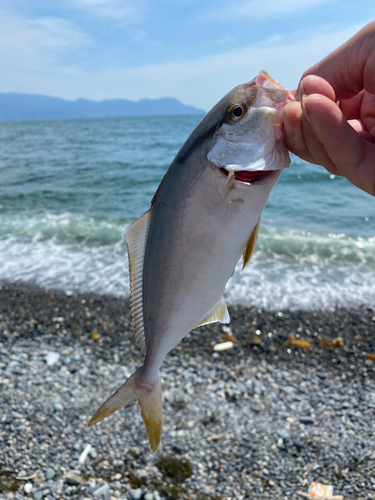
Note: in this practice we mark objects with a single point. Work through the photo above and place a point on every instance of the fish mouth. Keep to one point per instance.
(247, 177)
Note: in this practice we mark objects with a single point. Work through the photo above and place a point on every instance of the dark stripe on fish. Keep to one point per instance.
(190, 146)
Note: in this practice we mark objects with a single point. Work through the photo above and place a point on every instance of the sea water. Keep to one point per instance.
(69, 188)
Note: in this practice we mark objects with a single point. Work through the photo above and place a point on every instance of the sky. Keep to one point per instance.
(193, 50)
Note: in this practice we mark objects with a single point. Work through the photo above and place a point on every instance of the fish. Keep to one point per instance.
(204, 215)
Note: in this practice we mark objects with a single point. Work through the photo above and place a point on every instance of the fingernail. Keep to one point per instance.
(304, 110)
(288, 128)
(300, 91)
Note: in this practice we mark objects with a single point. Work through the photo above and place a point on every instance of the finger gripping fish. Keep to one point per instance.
(203, 217)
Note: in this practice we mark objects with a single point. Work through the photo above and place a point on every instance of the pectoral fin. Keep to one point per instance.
(250, 247)
(228, 186)
(218, 313)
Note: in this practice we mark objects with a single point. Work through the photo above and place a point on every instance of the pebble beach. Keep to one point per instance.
(262, 419)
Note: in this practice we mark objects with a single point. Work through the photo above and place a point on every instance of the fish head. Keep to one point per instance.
(249, 139)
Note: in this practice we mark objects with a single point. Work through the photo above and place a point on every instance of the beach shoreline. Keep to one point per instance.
(260, 420)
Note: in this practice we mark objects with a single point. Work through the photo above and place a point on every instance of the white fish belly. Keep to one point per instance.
(213, 235)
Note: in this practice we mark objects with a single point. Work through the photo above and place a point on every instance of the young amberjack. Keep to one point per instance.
(203, 217)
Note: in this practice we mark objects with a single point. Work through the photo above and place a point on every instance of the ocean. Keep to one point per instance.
(69, 188)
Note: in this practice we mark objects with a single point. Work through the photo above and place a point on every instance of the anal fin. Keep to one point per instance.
(218, 313)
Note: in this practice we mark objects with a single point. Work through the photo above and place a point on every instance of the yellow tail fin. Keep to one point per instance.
(149, 398)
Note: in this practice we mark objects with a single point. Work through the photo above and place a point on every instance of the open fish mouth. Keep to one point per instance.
(248, 177)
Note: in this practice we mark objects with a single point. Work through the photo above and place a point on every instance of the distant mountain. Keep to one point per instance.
(15, 106)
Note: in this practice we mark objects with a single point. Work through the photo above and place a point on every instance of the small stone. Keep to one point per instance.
(102, 490)
(28, 488)
(22, 473)
(284, 434)
(59, 485)
(95, 335)
(50, 473)
(83, 456)
(52, 357)
(56, 399)
(38, 495)
(227, 329)
(137, 495)
(306, 420)
(149, 496)
(288, 389)
(92, 485)
(118, 476)
(256, 339)
(223, 346)
(74, 479)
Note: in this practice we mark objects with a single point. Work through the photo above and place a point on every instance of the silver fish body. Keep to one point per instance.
(202, 219)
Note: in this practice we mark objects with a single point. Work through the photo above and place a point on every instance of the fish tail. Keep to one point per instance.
(149, 397)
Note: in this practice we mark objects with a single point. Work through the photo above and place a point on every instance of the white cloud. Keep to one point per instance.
(30, 50)
(122, 12)
(56, 34)
(203, 81)
(138, 35)
(33, 43)
(255, 9)
(31, 67)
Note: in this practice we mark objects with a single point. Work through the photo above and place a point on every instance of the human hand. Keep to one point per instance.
(332, 123)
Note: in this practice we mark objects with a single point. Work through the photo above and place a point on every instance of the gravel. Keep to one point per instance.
(259, 420)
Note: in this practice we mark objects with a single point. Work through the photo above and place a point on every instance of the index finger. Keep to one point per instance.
(353, 156)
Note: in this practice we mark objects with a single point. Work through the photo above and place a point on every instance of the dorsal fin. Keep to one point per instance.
(218, 313)
(135, 237)
(250, 247)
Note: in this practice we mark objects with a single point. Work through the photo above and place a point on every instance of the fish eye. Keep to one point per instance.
(236, 111)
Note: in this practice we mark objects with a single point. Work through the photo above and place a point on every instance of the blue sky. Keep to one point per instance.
(193, 50)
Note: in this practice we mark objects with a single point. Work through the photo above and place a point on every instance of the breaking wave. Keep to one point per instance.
(289, 270)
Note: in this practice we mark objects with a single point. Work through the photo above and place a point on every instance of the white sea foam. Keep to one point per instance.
(69, 267)
(289, 270)
(291, 287)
